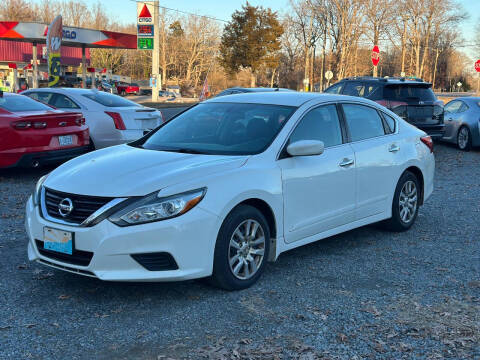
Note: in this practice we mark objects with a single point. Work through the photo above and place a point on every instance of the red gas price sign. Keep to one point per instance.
(477, 66)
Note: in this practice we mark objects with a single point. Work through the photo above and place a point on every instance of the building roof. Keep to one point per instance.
(72, 36)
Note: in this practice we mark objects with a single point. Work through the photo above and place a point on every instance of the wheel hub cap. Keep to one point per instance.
(408, 201)
(246, 249)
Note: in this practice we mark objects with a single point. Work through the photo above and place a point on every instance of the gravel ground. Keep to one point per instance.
(363, 294)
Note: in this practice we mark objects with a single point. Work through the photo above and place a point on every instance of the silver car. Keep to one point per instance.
(462, 117)
(112, 120)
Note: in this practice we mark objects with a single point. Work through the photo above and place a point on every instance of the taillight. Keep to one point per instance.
(22, 125)
(80, 121)
(427, 140)
(39, 125)
(117, 120)
(382, 102)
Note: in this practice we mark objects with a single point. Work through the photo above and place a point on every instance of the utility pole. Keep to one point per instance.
(35, 66)
(157, 83)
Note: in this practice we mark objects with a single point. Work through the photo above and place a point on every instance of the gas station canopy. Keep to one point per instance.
(72, 36)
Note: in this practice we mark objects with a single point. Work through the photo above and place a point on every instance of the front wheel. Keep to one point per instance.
(464, 140)
(241, 250)
(405, 203)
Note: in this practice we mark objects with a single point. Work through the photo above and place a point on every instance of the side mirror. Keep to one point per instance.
(306, 148)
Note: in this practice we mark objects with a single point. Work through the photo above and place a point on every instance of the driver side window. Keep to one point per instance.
(321, 124)
(453, 107)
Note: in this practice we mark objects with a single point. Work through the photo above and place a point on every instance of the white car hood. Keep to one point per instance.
(123, 170)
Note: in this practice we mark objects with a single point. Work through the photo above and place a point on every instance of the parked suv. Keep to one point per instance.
(411, 99)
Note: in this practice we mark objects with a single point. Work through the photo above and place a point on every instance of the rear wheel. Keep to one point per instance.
(241, 250)
(405, 203)
(464, 140)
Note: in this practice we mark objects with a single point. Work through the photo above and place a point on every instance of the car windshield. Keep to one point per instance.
(109, 100)
(409, 92)
(16, 103)
(221, 129)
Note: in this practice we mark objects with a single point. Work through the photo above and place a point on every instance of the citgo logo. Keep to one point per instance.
(145, 15)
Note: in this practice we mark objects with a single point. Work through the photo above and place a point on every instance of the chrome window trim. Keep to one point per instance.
(87, 221)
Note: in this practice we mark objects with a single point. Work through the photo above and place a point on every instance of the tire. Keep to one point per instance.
(230, 249)
(401, 221)
(464, 139)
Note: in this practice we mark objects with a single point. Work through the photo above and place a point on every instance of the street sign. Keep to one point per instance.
(375, 55)
(145, 25)
(145, 30)
(145, 43)
(477, 66)
(328, 75)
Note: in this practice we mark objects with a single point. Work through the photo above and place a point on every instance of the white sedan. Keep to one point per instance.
(227, 186)
(112, 120)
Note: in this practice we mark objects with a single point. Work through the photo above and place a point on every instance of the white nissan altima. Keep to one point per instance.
(228, 185)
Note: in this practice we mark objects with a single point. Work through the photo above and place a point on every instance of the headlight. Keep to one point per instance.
(154, 208)
(37, 190)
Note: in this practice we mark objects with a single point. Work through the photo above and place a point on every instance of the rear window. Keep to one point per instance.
(15, 103)
(109, 100)
(409, 92)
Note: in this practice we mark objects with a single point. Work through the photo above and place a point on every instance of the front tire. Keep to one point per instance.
(464, 140)
(405, 203)
(241, 250)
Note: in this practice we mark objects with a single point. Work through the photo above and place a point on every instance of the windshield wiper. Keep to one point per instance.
(182, 150)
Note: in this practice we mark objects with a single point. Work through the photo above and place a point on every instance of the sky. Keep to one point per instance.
(125, 12)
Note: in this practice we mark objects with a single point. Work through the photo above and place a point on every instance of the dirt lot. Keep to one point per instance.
(363, 294)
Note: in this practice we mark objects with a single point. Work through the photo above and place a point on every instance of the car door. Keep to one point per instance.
(319, 190)
(377, 152)
(452, 113)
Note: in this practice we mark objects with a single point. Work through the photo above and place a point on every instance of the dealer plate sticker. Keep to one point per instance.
(65, 140)
(58, 240)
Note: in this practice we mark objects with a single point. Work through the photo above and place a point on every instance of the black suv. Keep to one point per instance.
(410, 98)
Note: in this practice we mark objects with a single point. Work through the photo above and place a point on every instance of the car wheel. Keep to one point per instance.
(405, 203)
(464, 140)
(241, 250)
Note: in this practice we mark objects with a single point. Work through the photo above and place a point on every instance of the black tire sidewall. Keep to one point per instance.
(397, 220)
(222, 276)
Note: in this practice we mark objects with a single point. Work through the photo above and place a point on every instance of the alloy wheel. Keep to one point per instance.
(408, 201)
(246, 249)
(463, 138)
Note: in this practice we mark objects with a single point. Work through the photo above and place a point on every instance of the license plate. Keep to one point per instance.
(58, 240)
(65, 140)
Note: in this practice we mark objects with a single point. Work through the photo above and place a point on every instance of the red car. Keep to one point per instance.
(128, 89)
(34, 134)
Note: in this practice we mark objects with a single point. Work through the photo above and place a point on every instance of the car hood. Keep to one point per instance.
(123, 170)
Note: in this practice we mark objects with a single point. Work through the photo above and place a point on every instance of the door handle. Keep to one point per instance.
(346, 162)
(394, 148)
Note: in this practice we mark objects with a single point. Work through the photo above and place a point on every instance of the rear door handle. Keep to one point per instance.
(346, 162)
(394, 148)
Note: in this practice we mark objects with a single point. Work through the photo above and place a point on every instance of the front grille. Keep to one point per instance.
(159, 261)
(78, 257)
(83, 206)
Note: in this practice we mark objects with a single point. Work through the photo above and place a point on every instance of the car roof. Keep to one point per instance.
(287, 98)
(258, 89)
(388, 80)
(67, 89)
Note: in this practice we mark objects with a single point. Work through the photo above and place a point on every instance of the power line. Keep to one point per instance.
(187, 13)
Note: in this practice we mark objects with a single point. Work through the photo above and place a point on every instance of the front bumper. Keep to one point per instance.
(189, 239)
